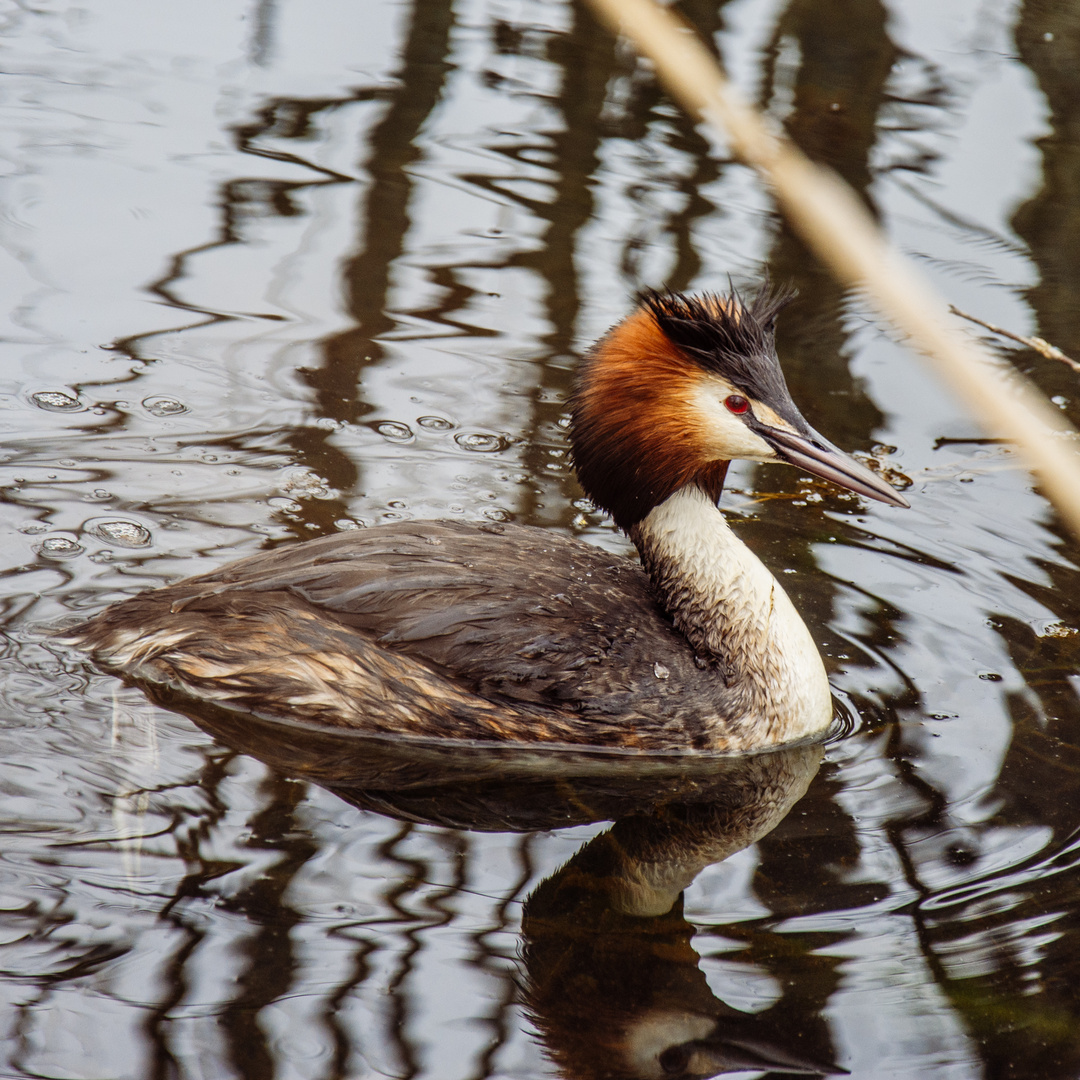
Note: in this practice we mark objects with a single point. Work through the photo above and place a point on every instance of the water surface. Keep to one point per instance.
(278, 269)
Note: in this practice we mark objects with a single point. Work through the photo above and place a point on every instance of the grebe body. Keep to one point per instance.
(508, 632)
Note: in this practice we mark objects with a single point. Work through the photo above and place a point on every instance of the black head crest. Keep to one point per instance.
(727, 335)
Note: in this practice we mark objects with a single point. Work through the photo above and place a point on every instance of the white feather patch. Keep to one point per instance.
(744, 613)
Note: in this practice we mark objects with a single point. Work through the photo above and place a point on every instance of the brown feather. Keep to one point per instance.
(636, 437)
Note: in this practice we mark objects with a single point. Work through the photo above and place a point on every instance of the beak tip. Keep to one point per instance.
(819, 457)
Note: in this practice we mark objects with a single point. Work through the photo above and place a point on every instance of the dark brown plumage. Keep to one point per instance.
(419, 610)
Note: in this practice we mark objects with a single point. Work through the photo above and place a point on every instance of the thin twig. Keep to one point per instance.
(836, 225)
(1040, 345)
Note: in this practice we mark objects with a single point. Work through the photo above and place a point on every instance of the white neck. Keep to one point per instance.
(735, 614)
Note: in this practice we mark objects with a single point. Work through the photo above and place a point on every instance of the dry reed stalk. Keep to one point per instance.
(838, 229)
(1038, 344)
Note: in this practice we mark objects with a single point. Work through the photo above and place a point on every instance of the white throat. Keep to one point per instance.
(734, 613)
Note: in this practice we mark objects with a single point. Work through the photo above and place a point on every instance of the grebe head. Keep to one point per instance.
(678, 389)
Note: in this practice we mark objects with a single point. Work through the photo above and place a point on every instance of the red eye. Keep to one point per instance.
(736, 403)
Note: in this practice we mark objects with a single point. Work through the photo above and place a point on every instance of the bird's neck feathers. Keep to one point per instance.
(735, 615)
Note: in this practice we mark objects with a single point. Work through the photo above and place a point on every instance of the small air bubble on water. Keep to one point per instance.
(392, 429)
(59, 547)
(56, 401)
(164, 406)
(128, 534)
(435, 423)
(480, 443)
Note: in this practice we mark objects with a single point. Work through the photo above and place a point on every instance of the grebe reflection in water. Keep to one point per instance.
(613, 982)
(609, 974)
(505, 632)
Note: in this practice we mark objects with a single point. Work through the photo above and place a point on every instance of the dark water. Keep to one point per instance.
(281, 268)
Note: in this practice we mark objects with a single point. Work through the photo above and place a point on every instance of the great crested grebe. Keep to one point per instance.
(507, 632)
